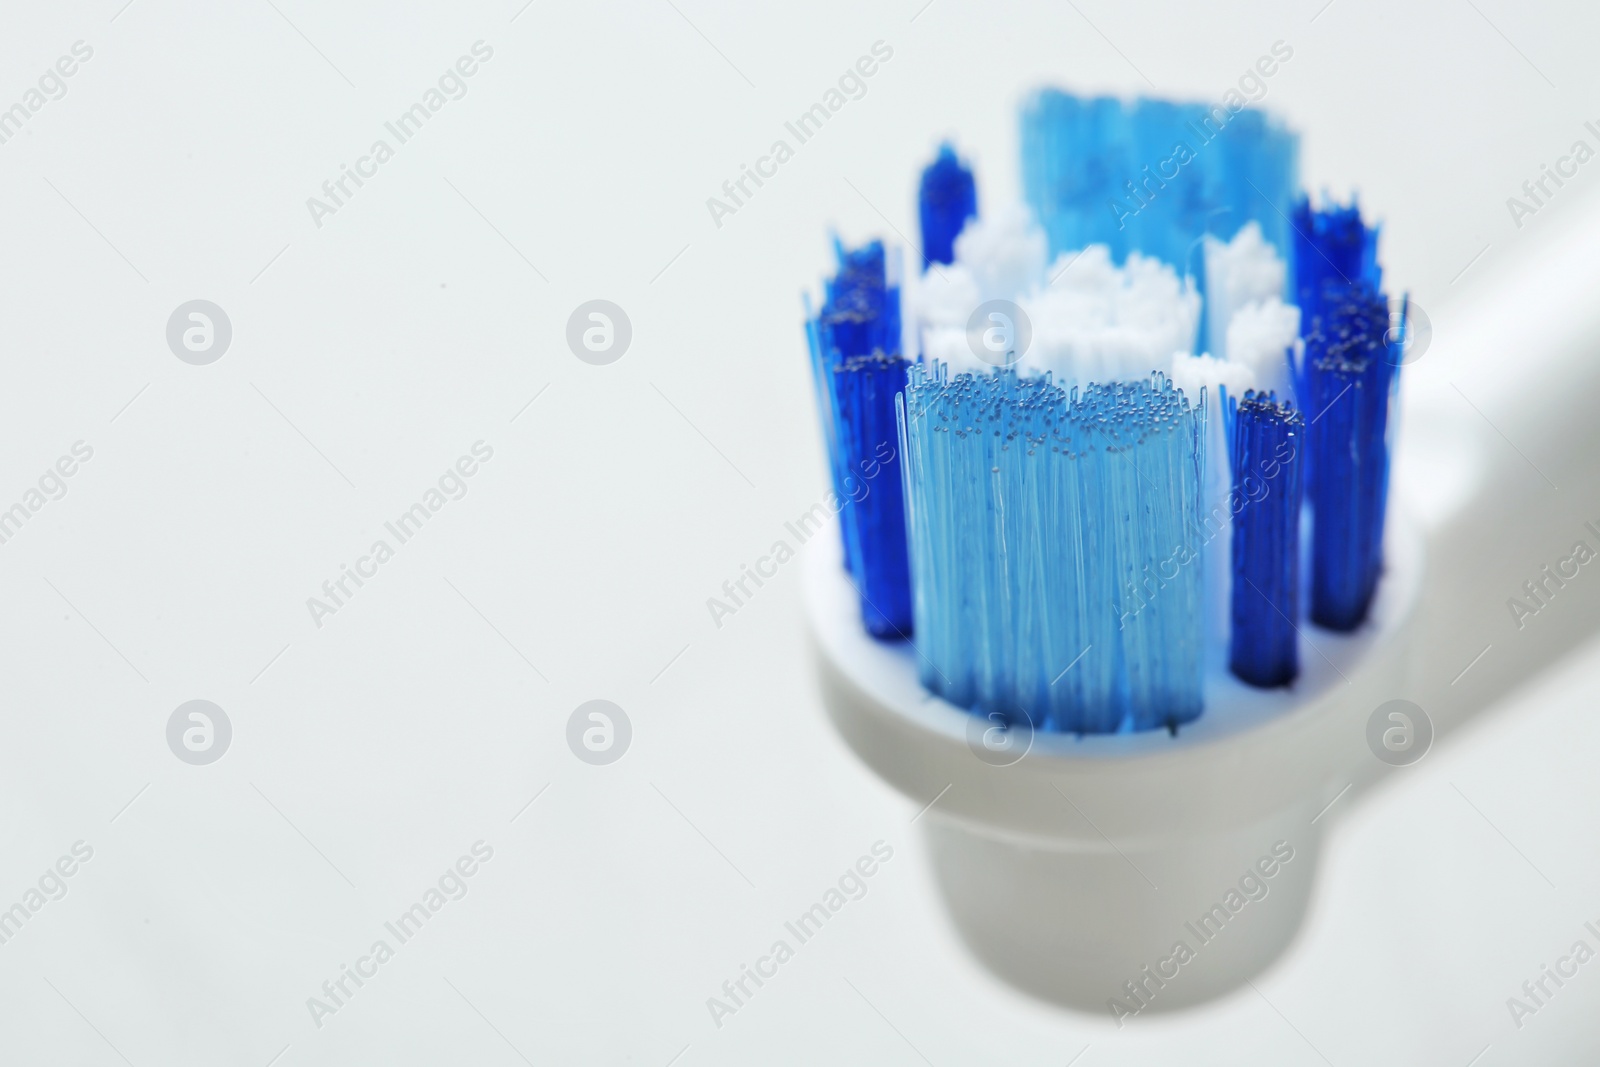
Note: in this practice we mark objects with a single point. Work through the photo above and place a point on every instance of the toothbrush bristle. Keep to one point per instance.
(946, 198)
(1348, 375)
(856, 362)
(862, 312)
(1041, 530)
(873, 507)
(1332, 245)
(1151, 176)
(1052, 533)
(1265, 455)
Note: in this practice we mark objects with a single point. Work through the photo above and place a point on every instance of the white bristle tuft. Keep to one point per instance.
(1191, 374)
(1245, 270)
(1090, 320)
(1098, 322)
(1005, 252)
(1259, 335)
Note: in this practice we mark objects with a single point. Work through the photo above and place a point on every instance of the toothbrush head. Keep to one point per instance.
(1074, 538)
(1148, 588)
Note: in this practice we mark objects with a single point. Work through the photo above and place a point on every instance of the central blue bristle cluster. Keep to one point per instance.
(1055, 535)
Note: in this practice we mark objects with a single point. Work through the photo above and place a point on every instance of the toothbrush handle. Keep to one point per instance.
(1499, 461)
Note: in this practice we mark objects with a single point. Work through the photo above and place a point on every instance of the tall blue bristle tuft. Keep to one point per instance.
(1331, 244)
(1152, 176)
(856, 363)
(873, 513)
(853, 321)
(946, 198)
(1349, 373)
(1053, 534)
(1265, 455)
(861, 314)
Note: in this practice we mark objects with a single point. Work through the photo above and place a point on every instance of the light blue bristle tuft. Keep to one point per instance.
(1153, 176)
(1056, 543)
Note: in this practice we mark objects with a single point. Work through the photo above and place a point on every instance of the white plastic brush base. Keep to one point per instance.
(1072, 870)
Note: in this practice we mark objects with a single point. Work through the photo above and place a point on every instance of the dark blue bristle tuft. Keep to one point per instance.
(873, 513)
(1266, 440)
(1348, 376)
(1331, 244)
(946, 198)
(856, 361)
(862, 312)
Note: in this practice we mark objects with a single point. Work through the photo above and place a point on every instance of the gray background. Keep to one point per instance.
(367, 355)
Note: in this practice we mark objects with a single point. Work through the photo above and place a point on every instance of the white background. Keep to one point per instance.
(369, 353)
